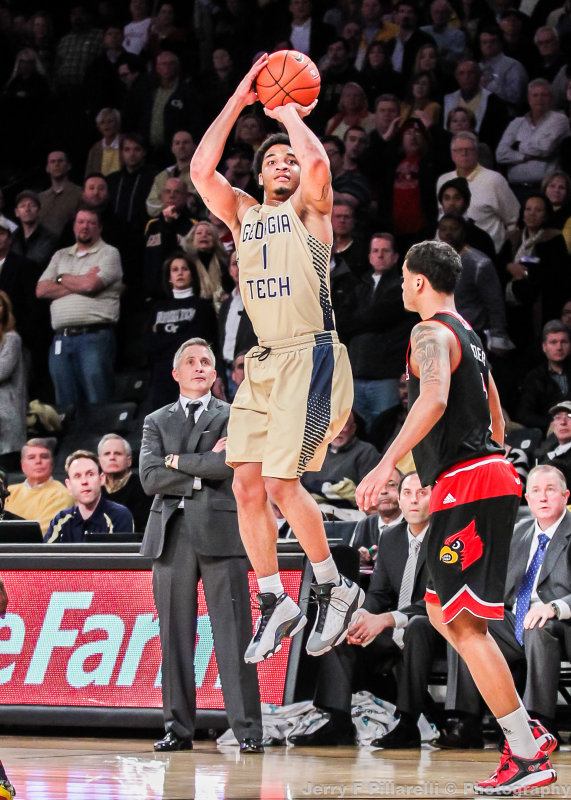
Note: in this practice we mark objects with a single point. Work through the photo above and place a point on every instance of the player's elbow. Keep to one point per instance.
(200, 169)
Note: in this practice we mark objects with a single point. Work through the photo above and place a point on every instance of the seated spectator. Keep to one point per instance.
(407, 204)
(338, 71)
(461, 119)
(13, 402)
(40, 496)
(347, 244)
(530, 144)
(379, 331)
(83, 283)
(181, 315)
(493, 205)
(454, 197)
(120, 483)
(534, 633)
(250, 129)
(104, 156)
(556, 186)
(550, 382)
(235, 331)
(237, 169)
(202, 245)
(537, 272)
(478, 295)
(377, 75)
(385, 515)
(490, 112)
(182, 148)
(32, 240)
(420, 101)
(451, 41)
(387, 630)
(502, 75)
(558, 452)
(91, 513)
(348, 187)
(353, 110)
(347, 461)
(59, 203)
(164, 234)
(549, 57)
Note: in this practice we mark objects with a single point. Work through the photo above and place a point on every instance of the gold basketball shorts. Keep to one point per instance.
(295, 399)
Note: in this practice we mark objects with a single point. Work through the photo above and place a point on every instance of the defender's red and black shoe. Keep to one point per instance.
(516, 774)
(546, 741)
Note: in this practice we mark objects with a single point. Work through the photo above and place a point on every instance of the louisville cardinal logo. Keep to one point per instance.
(464, 547)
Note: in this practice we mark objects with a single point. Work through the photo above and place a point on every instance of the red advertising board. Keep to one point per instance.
(91, 638)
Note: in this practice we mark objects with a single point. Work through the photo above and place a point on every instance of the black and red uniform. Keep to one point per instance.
(476, 492)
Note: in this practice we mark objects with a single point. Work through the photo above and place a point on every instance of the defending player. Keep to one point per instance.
(7, 791)
(473, 505)
(298, 390)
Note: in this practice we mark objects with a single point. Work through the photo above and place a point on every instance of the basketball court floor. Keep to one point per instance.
(128, 769)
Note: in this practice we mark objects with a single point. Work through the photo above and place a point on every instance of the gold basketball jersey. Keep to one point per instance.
(284, 274)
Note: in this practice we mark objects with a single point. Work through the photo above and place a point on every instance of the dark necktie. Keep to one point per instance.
(407, 583)
(190, 411)
(524, 594)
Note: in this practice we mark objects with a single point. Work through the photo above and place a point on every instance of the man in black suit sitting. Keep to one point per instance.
(391, 628)
(535, 633)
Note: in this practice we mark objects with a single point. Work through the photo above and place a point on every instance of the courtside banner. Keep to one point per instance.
(91, 638)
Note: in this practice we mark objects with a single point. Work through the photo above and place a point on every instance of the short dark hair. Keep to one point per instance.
(81, 454)
(404, 477)
(276, 138)
(388, 236)
(354, 128)
(553, 326)
(455, 218)
(335, 140)
(94, 175)
(88, 209)
(438, 262)
(132, 136)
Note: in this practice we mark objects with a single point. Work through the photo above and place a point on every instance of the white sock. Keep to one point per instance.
(271, 583)
(326, 571)
(518, 733)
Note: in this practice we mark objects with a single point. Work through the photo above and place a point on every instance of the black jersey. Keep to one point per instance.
(463, 432)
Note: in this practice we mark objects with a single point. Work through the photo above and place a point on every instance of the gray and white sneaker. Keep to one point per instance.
(336, 606)
(280, 617)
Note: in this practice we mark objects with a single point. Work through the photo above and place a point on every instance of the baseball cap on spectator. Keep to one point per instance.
(28, 194)
(564, 405)
(7, 224)
(461, 186)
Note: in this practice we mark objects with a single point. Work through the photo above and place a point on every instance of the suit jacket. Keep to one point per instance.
(210, 512)
(554, 581)
(384, 588)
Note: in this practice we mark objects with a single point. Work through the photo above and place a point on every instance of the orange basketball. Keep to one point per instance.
(288, 77)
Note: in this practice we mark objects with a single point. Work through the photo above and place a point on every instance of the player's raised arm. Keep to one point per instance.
(213, 187)
(430, 356)
(315, 179)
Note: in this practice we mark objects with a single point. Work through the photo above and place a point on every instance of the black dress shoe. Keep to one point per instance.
(460, 734)
(403, 736)
(251, 746)
(330, 734)
(172, 742)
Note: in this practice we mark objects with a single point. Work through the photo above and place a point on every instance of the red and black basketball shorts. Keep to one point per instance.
(473, 509)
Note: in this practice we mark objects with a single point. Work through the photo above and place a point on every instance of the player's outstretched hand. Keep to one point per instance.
(3, 599)
(245, 89)
(280, 112)
(368, 490)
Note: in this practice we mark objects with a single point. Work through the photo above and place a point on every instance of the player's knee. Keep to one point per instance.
(280, 490)
(248, 492)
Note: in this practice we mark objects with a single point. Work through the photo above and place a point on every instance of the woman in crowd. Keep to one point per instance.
(179, 316)
(104, 155)
(557, 188)
(428, 60)
(461, 119)
(420, 101)
(203, 247)
(537, 273)
(13, 401)
(353, 110)
(378, 76)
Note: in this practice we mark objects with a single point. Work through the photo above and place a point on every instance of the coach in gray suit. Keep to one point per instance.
(546, 615)
(192, 533)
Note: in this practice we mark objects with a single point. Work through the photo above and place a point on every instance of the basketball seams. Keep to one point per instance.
(284, 91)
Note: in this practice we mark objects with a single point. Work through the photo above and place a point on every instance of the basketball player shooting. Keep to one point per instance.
(298, 391)
(455, 429)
